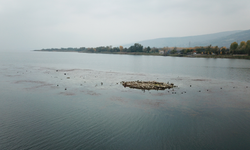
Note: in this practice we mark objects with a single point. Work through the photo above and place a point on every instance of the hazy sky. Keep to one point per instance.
(37, 24)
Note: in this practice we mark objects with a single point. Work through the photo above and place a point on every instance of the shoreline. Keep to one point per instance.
(157, 54)
(220, 56)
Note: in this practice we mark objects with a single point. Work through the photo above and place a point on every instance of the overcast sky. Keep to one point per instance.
(37, 24)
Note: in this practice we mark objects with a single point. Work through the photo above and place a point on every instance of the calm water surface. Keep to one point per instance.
(40, 108)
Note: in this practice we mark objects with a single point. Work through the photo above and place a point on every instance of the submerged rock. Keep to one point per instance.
(147, 85)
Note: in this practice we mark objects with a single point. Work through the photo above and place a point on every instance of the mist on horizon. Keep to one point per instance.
(30, 25)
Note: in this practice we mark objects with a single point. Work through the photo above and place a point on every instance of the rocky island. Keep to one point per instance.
(147, 85)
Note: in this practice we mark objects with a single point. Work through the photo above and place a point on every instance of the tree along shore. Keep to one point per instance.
(236, 50)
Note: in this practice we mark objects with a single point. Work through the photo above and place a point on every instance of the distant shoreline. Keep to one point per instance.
(220, 56)
(157, 54)
(121, 53)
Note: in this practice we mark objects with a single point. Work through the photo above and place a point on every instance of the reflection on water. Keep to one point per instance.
(56, 105)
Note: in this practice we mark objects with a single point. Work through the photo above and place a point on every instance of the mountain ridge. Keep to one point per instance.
(215, 39)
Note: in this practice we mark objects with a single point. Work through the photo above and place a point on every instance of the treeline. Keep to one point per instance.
(242, 48)
(206, 50)
(109, 49)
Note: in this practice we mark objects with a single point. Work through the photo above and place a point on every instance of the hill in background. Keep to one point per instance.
(216, 39)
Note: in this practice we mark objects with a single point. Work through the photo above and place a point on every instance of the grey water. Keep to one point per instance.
(62, 100)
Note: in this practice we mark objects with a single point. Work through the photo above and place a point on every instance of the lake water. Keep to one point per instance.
(40, 108)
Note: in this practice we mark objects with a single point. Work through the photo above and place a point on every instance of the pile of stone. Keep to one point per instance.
(147, 85)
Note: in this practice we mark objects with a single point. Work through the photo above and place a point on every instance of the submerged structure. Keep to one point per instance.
(147, 85)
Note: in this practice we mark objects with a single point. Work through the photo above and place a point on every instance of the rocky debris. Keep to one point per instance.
(147, 85)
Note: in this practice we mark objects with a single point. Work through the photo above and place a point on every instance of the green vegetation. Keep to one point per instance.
(243, 48)
(235, 51)
(136, 49)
